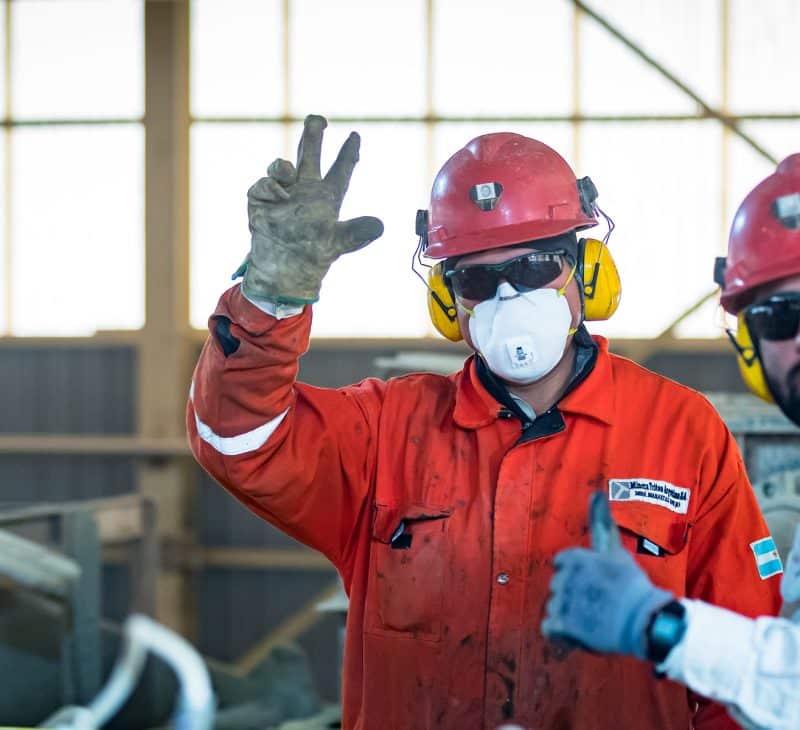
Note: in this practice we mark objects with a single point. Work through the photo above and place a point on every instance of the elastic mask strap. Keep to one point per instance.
(470, 312)
(563, 289)
(571, 276)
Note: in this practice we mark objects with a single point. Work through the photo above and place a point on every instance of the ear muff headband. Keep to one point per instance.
(602, 289)
(748, 360)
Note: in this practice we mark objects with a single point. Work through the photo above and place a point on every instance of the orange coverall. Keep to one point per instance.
(442, 517)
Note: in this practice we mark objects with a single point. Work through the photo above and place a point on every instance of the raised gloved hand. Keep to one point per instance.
(294, 222)
(600, 598)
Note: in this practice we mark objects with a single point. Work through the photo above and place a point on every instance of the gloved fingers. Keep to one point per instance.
(557, 634)
(356, 233)
(556, 623)
(342, 169)
(283, 171)
(562, 591)
(268, 190)
(309, 150)
(605, 533)
(555, 627)
(561, 578)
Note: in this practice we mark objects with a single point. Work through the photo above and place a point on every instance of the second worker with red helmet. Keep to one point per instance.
(442, 500)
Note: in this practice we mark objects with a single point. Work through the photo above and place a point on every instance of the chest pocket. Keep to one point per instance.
(657, 537)
(408, 570)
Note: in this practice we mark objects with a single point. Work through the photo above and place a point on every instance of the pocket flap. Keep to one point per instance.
(388, 517)
(666, 529)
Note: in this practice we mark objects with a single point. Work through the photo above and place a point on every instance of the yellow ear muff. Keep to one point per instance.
(602, 288)
(441, 307)
(747, 358)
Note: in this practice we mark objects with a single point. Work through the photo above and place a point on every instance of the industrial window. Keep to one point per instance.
(419, 79)
(72, 159)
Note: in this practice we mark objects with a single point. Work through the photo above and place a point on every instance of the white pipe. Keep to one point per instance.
(123, 680)
(195, 706)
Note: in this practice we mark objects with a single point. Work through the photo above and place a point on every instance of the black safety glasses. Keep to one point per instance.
(524, 273)
(776, 318)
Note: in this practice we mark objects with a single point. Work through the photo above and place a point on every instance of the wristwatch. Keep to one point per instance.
(664, 631)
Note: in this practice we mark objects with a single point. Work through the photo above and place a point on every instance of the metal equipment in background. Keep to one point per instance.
(51, 651)
(770, 446)
(194, 709)
(56, 650)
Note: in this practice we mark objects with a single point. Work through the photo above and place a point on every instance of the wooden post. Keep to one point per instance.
(165, 352)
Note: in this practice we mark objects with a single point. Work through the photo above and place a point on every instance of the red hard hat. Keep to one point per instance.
(503, 189)
(764, 244)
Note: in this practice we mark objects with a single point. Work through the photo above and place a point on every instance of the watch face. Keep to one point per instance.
(665, 631)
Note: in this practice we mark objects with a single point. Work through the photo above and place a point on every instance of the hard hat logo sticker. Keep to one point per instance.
(485, 195)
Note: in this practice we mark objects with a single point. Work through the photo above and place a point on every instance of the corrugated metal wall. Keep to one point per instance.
(91, 389)
(67, 390)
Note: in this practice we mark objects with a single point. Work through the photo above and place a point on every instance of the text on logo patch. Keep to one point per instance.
(651, 491)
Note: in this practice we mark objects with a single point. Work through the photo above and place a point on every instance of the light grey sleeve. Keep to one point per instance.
(751, 666)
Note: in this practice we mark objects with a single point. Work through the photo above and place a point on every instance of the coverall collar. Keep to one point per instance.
(590, 395)
(595, 395)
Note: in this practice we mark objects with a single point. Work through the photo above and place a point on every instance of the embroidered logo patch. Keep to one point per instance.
(768, 561)
(651, 491)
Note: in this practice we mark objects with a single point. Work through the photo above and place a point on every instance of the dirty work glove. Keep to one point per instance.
(600, 598)
(294, 222)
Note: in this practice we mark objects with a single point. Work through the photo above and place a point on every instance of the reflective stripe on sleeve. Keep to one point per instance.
(236, 445)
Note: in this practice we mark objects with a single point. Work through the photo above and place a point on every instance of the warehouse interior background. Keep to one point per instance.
(131, 133)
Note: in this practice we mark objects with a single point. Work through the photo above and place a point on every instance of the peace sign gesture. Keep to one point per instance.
(294, 221)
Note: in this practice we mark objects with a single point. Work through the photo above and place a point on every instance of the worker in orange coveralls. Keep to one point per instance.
(442, 500)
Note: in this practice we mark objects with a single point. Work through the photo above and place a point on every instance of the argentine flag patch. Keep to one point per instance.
(768, 561)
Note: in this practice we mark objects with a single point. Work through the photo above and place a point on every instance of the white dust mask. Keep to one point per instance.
(521, 335)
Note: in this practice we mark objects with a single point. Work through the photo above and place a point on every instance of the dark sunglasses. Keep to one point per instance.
(525, 273)
(776, 318)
